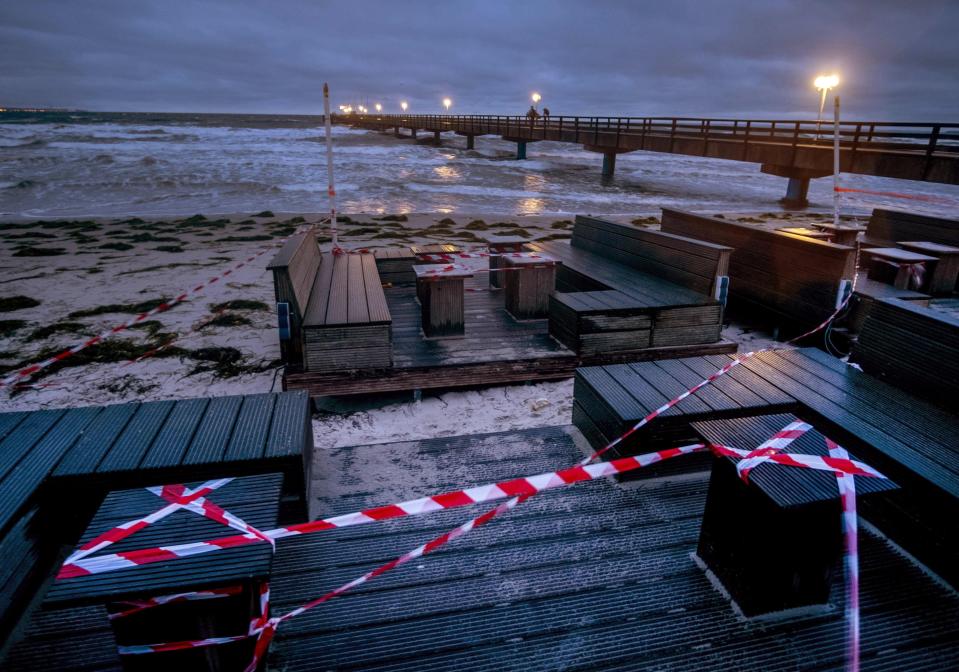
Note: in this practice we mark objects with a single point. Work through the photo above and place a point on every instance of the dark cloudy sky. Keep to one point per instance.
(898, 60)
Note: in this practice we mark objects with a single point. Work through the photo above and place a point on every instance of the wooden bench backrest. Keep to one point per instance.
(294, 269)
(694, 264)
(912, 347)
(890, 226)
(795, 276)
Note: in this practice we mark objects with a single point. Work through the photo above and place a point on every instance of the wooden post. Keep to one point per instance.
(440, 293)
(609, 164)
(528, 282)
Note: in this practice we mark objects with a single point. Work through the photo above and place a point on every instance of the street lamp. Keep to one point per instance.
(536, 98)
(823, 83)
(446, 103)
(379, 108)
(404, 105)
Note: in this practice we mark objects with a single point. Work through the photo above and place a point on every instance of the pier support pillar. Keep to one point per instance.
(396, 131)
(797, 188)
(436, 137)
(470, 141)
(521, 150)
(609, 164)
(413, 133)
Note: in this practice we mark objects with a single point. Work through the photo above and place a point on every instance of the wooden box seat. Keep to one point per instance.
(347, 324)
(56, 465)
(791, 563)
(799, 280)
(675, 281)
(907, 439)
(395, 265)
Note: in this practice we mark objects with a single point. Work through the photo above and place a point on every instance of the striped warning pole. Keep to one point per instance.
(331, 190)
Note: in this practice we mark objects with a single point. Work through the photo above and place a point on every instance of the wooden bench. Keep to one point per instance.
(867, 292)
(886, 227)
(677, 282)
(798, 279)
(907, 439)
(294, 269)
(912, 347)
(783, 555)
(347, 324)
(56, 466)
(331, 308)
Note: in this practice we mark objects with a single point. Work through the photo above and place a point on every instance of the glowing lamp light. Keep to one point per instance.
(536, 97)
(446, 103)
(379, 108)
(826, 82)
(404, 105)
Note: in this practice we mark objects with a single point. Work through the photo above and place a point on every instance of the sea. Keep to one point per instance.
(85, 164)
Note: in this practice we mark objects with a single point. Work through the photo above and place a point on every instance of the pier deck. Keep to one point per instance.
(495, 349)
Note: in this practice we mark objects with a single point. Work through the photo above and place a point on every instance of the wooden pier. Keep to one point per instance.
(798, 150)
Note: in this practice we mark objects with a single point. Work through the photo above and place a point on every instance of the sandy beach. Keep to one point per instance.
(64, 281)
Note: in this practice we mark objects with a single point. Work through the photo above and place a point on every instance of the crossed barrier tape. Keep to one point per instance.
(519, 491)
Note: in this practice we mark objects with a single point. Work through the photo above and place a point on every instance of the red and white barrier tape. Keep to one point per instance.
(779, 440)
(850, 527)
(528, 485)
(166, 305)
(136, 606)
(179, 497)
(208, 509)
(736, 361)
(939, 200)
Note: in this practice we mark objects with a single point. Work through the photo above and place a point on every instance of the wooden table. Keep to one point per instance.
(903, 259)
(803, 231)
(530, 277)
(432, 250)
(942, 273)
(439, 288)
(499, 245)
(844, 234)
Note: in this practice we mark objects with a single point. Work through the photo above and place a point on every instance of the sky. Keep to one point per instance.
(744, 58)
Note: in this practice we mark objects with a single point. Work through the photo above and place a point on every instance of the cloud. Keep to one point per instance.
(754, 58)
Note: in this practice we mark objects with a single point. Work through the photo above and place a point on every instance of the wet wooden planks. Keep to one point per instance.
(593, 576)
(347, 322)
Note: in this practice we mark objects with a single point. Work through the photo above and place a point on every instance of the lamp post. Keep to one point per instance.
(446, 103)
(824, 83)
(404, 105)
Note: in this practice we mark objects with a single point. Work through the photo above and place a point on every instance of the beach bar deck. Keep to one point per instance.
(614, 294)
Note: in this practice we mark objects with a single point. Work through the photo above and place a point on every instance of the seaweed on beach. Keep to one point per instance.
(362, 231)
(265, 213)
(48, 330)
(554, 236)
(224, 362)
(39, 252)
(392, 218)
(239, 304)
(168, 248)
(284, 231)
(151, 327)
(644, 221)
(19, 302)
(195, 219)
(561, 224)
(131, 308)
(117, 233)
(148, 237)
(9, 327)
(296, 220)
(229, 320)
(30, 234)
(245, 239)
(477, 225)
(446, 221)
(119, 247)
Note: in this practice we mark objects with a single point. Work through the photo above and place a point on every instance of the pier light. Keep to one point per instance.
(823, 84)
(379, 108)
(446, 103)
(536, 97)
(404, 105)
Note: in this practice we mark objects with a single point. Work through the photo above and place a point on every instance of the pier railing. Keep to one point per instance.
(910, 137)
